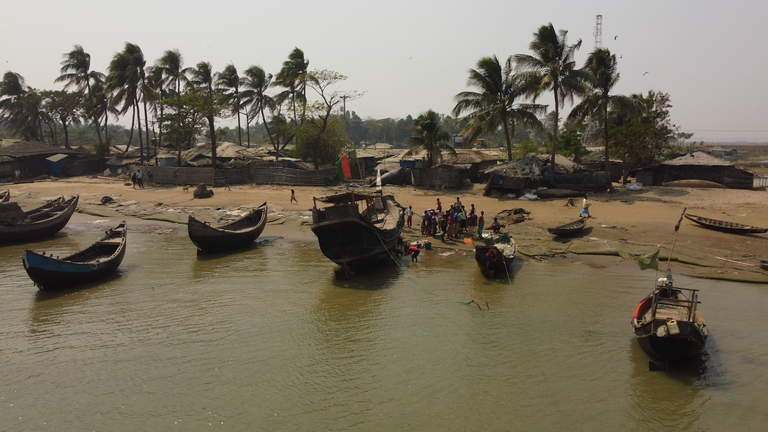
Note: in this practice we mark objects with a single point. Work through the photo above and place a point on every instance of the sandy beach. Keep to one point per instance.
(623, 223)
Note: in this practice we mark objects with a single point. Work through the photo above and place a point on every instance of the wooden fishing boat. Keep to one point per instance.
(725, 226)
(356, 239)
(44, 221)
(764, 265)
(495, 260)
(570, 228)
(5, 196)
(668, 325)
(235, 235)
(92, 263)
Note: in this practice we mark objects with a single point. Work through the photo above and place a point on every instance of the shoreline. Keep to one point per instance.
(624, 223)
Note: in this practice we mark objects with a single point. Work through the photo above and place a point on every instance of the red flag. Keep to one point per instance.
(345, 166)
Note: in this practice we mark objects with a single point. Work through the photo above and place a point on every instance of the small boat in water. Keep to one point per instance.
(44, 221)
(235, 235)
(356, 239)
(92, 263)
(496, 260)
(570, 228)
(5, 196)
(668, 325)
(725, 226)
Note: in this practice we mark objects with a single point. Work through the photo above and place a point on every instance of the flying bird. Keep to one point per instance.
(614, 38)
(645, 74)
(410, 57)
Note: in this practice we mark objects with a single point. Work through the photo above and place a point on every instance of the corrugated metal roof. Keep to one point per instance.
(56, 158)
(697, 159)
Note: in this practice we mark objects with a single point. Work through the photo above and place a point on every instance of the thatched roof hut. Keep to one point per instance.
(697, 166)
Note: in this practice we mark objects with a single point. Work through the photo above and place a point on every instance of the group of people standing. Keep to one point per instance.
(137, 178)
(455, 222)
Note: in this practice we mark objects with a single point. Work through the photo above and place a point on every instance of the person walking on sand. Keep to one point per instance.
(140, 179)
(439, 205)
(480, 224)
(409, 217)
(150, 178)
(133, 180)
(293, 197)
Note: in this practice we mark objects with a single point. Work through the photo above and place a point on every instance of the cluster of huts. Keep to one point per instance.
(262, 165)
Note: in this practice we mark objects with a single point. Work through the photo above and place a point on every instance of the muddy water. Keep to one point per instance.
(267, 339)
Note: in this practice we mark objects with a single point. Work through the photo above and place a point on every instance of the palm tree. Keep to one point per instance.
(76, 72)
(202, 79)
(123, 83)
(12, 108)
(430, 137)
(495, 104)
(171, 67)
(601, 65)
(293, 78)
(256, 83)
(552, 68)
(229, 81)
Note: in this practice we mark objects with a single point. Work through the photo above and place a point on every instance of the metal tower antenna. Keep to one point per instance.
(599, 32)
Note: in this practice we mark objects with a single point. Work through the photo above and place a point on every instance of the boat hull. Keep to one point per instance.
(725, 226)
(51, 274)
(37, 230)
(355, 243)
(210, 239)
(499, 267)
(671, 349)
(569, 229)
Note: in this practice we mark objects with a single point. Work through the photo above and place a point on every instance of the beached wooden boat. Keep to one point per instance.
(725, 226)
(44, 221)
(5, 196)
(495, 260)
(235, 235)
(668, 325)
(570, 228)
(357, 239)
(92, 263)
(764, 265)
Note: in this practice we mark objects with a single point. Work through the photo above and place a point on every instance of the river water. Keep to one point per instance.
(267, 339)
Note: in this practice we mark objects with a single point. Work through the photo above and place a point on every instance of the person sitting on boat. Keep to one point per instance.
(585, 209)
(496, 225)
(490, 257)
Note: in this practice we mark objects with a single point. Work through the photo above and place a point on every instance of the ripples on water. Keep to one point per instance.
(267, 339)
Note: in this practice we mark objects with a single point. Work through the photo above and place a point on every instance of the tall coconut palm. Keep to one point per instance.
(551, 67)
(171, 67)
(229, 81)
(256, 83)
(202, 80)
(123, 81)
(145, 93)
(495, 103)
(292, 77)
(603, 76)
(76, 72)
(430, 137)
(13, 112)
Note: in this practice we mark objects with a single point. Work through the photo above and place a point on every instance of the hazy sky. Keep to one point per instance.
(410, 56)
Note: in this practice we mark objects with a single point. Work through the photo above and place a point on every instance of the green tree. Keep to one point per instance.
(202, 81)
(184, 116)
(315, 139)
(601, 77)
(256, 83)
(642, 137)
(229, 81)
(13, 109)
(65, 107)
(171, 68)
(125, 82)
(495, 103)
(551, 67)
(293, 77)
(429, 137)
(76, 72)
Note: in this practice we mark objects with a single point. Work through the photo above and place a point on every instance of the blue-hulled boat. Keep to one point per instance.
(92, 263)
